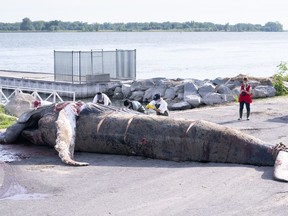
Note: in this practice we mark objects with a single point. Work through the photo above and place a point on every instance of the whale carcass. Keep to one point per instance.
(95, 128)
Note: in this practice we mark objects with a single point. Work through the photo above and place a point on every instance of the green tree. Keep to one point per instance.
(26, 25)
(227, 27)
(39, 25)
(57, 25)
(273, 27)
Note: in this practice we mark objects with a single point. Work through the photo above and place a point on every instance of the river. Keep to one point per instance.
(197, 55)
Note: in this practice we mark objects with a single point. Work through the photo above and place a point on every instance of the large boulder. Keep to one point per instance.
(170, 93)
(194, 100)
(179, 106)
(190, 88)
(142, 85)
(20, 103)
(206, 89)
(212, 98)
(219, 81)
(126, 90)
(263, 91)
(223, 89)
(137, 95)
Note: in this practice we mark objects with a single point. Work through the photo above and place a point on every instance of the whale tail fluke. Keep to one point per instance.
(280, 154)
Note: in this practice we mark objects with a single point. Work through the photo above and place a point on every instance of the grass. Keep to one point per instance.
(6, 120)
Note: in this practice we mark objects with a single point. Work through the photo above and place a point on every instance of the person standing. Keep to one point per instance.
(134, 105)
(101, 98)
(159, 105)
(245, 97)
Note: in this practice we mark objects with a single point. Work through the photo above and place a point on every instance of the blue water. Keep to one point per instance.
(159, 54)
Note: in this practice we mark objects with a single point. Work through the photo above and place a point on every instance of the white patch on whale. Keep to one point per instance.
(65, 142)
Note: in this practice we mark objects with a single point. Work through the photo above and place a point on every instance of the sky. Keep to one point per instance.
(100, 11)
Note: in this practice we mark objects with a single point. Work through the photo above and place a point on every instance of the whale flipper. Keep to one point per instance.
(65, 142)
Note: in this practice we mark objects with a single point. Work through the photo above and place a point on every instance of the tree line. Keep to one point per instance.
(191, 26)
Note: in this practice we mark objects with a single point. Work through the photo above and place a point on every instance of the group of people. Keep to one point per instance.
(160, 106)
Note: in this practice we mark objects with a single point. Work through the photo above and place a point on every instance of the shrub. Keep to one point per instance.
(6, 120)
(279, 78)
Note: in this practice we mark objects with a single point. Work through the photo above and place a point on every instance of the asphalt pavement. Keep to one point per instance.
(35, 182)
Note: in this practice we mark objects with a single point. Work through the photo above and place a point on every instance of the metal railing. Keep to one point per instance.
(50, 95)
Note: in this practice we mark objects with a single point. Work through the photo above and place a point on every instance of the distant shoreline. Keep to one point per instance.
(106, 31)
(188, 26)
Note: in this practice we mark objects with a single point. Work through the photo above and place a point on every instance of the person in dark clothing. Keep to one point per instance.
(134, 105)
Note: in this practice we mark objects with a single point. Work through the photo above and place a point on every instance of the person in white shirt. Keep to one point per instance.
(159, 105)
(101, 98)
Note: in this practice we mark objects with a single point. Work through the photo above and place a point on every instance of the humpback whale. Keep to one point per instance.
(88, 127)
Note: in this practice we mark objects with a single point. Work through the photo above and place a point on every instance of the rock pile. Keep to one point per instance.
(180, 94)
(184, 94)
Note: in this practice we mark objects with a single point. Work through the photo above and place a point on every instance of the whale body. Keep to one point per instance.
(112, 130)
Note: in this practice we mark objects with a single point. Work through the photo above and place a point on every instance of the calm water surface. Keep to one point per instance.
(159, 54)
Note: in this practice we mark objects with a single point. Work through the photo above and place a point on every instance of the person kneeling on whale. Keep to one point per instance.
(101, 98)
(134, 105)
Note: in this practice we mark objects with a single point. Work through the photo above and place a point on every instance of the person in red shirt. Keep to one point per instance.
(245, 97)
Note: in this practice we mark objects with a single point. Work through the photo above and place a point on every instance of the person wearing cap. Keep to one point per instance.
(101, 98)
(159, 105)
(134, 105)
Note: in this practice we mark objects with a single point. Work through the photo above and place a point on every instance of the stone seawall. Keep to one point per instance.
(184, 94)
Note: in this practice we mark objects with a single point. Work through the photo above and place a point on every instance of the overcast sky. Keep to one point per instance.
(92, 11)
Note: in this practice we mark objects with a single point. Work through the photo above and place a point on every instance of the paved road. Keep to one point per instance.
(39, 184)
(268, 120)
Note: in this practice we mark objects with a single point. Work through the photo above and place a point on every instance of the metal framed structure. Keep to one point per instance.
(76, 66)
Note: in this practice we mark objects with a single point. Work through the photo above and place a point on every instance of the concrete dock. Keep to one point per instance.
(27, 75)
(46, 82)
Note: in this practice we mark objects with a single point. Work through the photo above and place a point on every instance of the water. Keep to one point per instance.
(159, 54)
